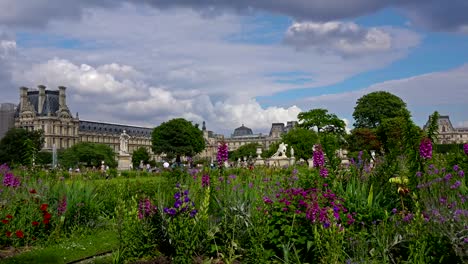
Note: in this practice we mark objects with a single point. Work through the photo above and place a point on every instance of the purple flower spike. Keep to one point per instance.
(425, 149)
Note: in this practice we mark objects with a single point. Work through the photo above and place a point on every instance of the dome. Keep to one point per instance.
(242, 131)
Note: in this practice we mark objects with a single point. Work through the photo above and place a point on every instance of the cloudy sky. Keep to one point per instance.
(251, 62)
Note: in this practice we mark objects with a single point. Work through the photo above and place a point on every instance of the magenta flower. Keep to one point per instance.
(323, 172)
(205, 180)
(318, 157)
(62, 207)
(425, 149)
(465, 148)
(223, 153)
(9, 180)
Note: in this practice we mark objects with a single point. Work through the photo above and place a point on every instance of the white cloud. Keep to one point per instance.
(345, 38)
(157, 65)
(445, 92)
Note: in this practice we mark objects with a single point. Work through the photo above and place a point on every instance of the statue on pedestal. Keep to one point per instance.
(124, 137)
(281, 152)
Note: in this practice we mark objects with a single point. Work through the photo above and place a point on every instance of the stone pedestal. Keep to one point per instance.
(125, 161)
(292, 161)
(259, 162)
(311, 163)
(279, 162)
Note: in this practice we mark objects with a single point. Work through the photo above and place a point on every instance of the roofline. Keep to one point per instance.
(114, 124)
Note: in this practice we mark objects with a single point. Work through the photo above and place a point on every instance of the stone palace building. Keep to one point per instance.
(448, 134)
(47, 110)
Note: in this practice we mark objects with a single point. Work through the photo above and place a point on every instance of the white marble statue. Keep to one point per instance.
(281, 152)
(124, 137)
(292, 152)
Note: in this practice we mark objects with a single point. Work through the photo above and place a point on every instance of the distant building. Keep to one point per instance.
(448, 134)
(48, 111)
(7, 118)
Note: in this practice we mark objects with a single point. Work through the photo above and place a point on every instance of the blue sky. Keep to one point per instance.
(232, 63)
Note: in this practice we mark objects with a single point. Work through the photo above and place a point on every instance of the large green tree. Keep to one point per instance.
(247, 150)
(363, 139)
(302, 140)
(89, 154)
(373, 108)
(20, 146)
(321, 120)
(177, 137)
(138, 155)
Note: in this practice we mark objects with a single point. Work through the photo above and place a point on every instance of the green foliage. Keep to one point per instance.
(177, 137)
(44, 158)
(247, 150)
(302, 140)
(432, 130)
(89, 154)
(138, 155)
(373, 108)
(363, 139)
(322, 120)
(20, 146)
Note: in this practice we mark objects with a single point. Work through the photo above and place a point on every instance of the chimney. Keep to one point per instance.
(42, 98)
(62, 97)
(23, 97)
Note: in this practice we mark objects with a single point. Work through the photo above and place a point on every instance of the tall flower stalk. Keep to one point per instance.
(425, 149)
(222, 155)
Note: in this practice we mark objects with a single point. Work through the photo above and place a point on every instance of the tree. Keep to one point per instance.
(322, 120)
(363, 139)
(90, 154)
(20, 146)
(247, 150)
(177, 137)
(140, 154)
(373, 108)
(302, 140)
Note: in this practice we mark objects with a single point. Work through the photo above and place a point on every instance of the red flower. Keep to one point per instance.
(47, 215)
(9, 216)
(8, 233)
(46, 221)
(32, 191)
(44, 207)
(5, 221)
(19, 234)
(35, 223)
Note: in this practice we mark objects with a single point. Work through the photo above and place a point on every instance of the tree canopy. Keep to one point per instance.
(20, 146)
(177, 137)
(373, 108)
(247, 150)
(322, 120)
(138, 155)
(302, 140)
(90, 154)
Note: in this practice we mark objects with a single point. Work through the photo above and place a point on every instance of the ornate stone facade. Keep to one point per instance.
(449, 134)
(47, 110)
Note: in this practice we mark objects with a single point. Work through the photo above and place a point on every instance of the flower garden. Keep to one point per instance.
(387, 210)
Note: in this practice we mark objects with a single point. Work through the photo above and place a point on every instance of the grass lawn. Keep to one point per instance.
(66, 251)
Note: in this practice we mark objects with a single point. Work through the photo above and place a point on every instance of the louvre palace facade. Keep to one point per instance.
(47, 110)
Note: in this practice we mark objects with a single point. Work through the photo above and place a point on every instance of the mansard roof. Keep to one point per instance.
(108, 128)
(51, 103)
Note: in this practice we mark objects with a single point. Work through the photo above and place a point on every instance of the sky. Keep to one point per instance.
(251, 62)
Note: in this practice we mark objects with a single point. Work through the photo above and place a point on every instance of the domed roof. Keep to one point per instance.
(242, 131)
